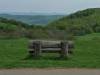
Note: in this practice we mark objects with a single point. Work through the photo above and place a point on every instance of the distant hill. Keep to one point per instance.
(15, 29)
(79, 23)
(33, 19)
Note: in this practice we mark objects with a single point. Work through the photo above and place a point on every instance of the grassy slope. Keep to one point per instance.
(80, 18)
(13, 54)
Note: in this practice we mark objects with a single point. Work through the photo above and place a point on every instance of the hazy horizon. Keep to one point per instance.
(46, 6)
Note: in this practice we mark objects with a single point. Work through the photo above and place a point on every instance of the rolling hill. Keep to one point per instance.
(79, 23)
(33, 19)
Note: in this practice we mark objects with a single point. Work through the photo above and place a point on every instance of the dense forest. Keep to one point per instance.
(79, 23)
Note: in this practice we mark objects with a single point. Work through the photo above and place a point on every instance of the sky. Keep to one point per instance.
(58, 6)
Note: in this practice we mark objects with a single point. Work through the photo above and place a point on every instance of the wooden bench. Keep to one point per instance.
(36, 47)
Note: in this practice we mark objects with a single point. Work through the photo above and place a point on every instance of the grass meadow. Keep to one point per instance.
(14, 54)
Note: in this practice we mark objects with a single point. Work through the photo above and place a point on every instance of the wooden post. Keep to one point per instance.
(31, 48)
(71, 46)
(64, 49)
(37, 48)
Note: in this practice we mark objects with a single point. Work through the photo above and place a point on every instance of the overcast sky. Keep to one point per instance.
(60, 6)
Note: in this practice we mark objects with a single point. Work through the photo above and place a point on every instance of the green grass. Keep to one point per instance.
(13, 54)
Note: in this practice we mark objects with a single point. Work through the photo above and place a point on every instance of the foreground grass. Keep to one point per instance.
(13, 54)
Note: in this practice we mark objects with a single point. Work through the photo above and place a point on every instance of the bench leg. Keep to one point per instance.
(37, 49)
(64, 50)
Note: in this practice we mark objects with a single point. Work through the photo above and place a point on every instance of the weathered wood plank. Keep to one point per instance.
(38, 46)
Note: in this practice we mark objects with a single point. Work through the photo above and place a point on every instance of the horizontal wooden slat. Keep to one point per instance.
(52, 50)
(51, 46)
(44, 51)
